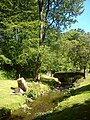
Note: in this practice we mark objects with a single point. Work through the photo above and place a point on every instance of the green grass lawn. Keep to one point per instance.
(15, 101)
(75, 105)
(8, 100)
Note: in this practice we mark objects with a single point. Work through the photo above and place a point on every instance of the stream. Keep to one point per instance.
(39, 106)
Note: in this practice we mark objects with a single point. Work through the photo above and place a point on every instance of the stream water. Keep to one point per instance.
(41, 105)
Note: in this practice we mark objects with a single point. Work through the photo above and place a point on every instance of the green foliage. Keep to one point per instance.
(79, 53)
(60, 14)
(31, 35)
(5, 113)
(3, 60)
(4, 75)
(69, 52)
(32, 94)
(20, 37)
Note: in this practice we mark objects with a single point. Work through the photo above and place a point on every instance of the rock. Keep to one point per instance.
(22, 84)
(22, 87)
(25, 108)
(17, 91)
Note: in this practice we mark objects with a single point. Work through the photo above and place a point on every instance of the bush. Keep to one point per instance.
(4, 75)
(5, 113)
(32, 94)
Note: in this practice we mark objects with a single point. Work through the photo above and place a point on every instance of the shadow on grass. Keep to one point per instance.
(51, 82)
(73, 93)
(80, 90)
(55, 84)
(76, 112)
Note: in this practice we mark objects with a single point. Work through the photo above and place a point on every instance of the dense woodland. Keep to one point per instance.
(33, 40)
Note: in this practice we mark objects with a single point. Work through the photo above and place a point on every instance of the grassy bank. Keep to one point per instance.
(6, 99)
(75, 106)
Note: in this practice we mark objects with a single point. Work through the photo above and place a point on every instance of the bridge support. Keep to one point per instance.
(84, 72)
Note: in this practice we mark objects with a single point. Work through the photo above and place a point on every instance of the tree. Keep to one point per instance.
(87, 39)
(27, 20)
(79, 52)
(19, 23)
(58, 14)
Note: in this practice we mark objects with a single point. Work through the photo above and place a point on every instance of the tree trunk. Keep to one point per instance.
(42, 33)
(37, 69)
(41, 27)
(41, 40)
(84, 72)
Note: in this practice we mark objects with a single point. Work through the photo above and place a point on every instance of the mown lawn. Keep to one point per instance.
(15, 101)
(6, 98)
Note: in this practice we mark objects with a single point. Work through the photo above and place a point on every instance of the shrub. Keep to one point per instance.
(5, 113)
(32, 94)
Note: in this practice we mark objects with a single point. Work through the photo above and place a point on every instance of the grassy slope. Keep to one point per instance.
(6, 99)
(15, 101)
(76, 106)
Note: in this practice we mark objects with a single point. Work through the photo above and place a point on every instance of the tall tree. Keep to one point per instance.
(19, 23)
(21, 20)
(79, 52)
(58, 13)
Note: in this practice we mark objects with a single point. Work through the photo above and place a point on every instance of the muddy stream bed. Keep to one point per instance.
(39, 106)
